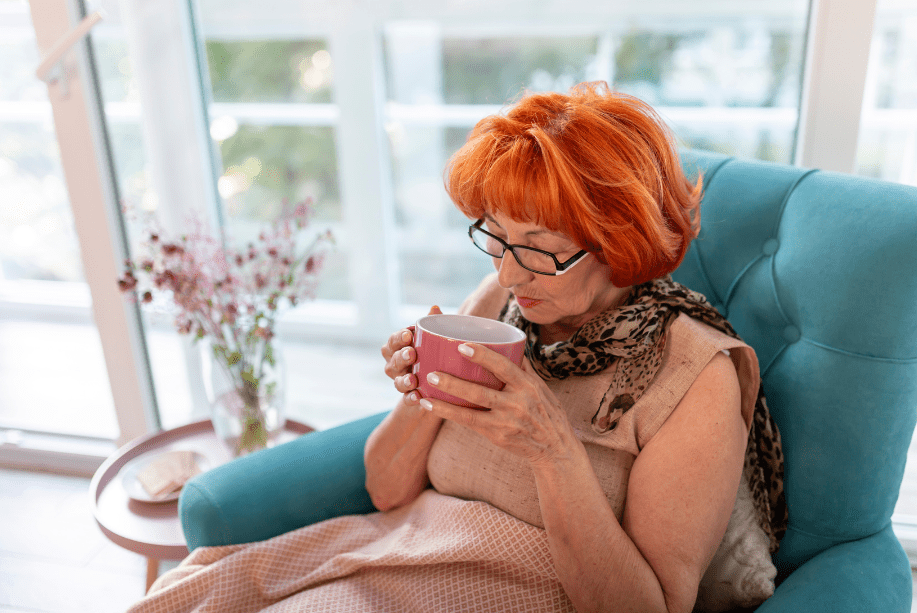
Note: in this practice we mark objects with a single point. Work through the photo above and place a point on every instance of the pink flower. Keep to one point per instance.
(212, 286)
(127, 282)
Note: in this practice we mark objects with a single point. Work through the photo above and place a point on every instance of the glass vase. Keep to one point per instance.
(246, 394)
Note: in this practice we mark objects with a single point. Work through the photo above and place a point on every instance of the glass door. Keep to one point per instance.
(47, 331)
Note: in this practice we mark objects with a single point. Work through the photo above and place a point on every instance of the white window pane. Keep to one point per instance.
(167, 354)
(492, 70)
(271, 153)
(37, 237)
(270, 70)
(436, 259)
(762, 141)
(717, 62)
(888, 130)
(52, 370)
(53, 379)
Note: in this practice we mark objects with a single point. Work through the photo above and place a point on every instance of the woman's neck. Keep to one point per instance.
(558, 331)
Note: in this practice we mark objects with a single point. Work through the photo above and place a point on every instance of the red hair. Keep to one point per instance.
(599, 166)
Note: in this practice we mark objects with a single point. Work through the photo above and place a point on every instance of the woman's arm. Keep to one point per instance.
(396, 455)
(680, 495)
(396, 451)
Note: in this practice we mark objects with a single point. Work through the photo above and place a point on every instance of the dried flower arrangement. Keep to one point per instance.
(232, 297)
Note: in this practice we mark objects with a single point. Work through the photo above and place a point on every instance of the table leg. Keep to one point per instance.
(152, 571)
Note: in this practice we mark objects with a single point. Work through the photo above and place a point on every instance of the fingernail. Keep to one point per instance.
(406, 336)
(466, 350)
(413, 396)
(405, 354)
(433, 378)
(426, 404)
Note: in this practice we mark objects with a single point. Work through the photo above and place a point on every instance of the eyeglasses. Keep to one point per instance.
(535, 260)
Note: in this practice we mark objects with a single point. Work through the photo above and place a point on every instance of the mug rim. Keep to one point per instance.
(512, 329)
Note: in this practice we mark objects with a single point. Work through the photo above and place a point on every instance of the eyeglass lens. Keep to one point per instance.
(533, 260)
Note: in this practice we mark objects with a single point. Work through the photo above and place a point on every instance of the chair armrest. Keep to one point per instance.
(318, 476)
(871, 574)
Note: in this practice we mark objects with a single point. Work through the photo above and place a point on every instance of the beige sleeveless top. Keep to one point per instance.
(464, 464)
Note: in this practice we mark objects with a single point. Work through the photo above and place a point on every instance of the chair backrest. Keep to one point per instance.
(818, 272)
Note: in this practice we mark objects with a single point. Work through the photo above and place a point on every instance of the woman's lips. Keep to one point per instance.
(527, 303)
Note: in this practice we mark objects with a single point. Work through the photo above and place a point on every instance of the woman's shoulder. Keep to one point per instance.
(691, 346)
(487, 300)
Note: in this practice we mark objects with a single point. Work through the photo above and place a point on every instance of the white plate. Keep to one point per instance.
(135, 489)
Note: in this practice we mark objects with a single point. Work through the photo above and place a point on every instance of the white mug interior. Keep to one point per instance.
(472, 329)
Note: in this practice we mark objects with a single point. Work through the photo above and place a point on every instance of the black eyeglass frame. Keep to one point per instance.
(561, 267)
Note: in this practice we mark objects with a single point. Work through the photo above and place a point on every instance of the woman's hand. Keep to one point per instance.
(525, 418)
(399, 357)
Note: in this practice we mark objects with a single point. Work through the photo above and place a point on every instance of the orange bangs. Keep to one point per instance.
(599, 166)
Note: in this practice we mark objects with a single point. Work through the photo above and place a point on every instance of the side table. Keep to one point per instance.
(153, 529)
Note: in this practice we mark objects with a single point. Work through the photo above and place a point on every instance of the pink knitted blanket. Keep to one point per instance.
(437, 554)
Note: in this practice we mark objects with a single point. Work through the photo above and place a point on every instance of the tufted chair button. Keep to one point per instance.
(791, 334)
(771, 246)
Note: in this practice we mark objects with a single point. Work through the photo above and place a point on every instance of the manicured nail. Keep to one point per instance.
(433, 378)
(466, 350)
(413, 396)
(426, 404)
(406, 336)
(405, 354)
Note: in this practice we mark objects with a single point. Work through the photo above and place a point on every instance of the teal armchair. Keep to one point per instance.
(815, 270)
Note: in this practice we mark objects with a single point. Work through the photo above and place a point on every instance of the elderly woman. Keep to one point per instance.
(605, 473)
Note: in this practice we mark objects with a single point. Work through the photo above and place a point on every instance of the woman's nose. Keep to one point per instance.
(509, 272)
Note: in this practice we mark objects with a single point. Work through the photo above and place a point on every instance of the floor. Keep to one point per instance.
(54, 558)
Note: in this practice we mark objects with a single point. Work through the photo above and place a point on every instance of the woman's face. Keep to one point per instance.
(561, 303)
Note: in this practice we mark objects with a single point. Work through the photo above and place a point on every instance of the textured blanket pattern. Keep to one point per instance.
(437, 554)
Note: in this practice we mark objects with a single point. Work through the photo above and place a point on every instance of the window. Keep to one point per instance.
(888, 130)
(46, 329)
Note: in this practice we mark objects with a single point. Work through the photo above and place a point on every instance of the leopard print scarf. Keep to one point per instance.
(634, 333)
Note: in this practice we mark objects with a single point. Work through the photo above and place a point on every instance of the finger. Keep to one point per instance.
(502, 367)
(466, 390)
(406, 383)
(406, 357)
(435, 310)
(396, 342)
(473, 418)
(400, 363)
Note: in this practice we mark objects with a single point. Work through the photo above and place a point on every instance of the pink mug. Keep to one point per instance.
(436, 341)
